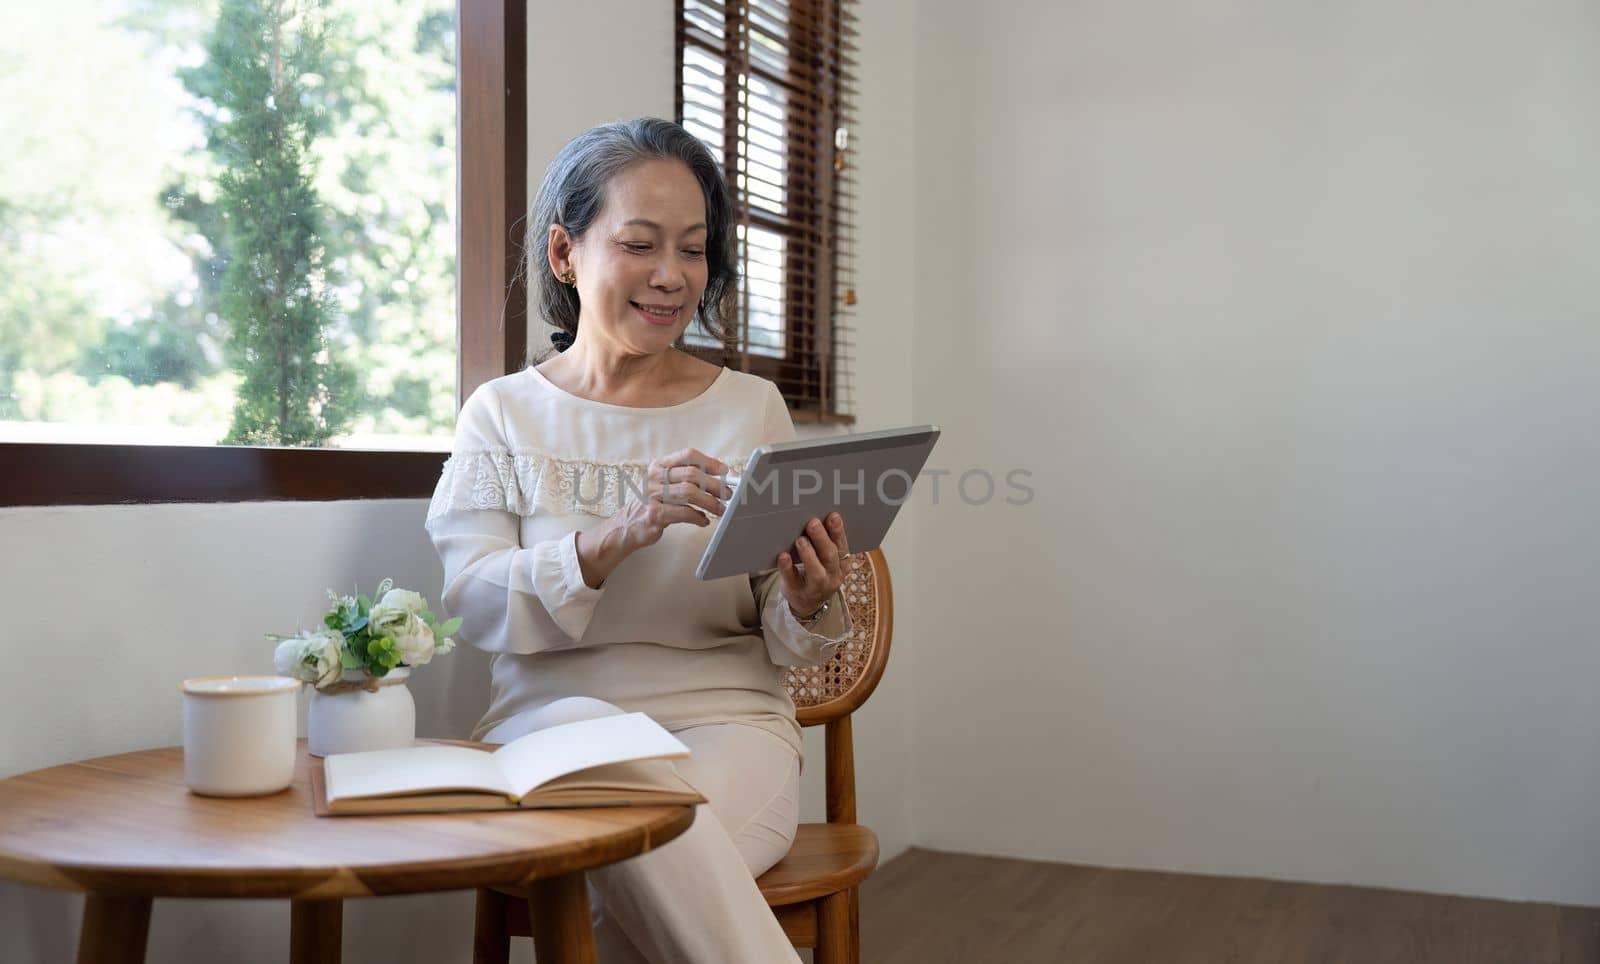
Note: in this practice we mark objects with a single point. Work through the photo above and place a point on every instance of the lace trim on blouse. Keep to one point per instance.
(520, 482)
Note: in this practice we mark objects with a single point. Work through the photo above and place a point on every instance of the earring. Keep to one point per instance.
(569, 277)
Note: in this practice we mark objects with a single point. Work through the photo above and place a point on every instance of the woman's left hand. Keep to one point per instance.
(820, 554)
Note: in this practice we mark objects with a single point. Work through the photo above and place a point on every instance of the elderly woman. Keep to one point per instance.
(576, 503)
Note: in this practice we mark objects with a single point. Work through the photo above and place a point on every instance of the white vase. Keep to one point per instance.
(354, 720)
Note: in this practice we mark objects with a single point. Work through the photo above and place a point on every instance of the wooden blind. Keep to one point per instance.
(768, 85)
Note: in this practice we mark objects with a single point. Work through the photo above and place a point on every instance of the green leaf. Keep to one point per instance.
(363, 605)
(348, 659)
(383, 652)
(449, 627)
(331, 620)
(358, 625)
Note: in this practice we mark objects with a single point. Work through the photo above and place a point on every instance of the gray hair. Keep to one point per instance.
(573, 193)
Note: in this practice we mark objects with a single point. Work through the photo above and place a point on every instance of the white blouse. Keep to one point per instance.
(531, 466)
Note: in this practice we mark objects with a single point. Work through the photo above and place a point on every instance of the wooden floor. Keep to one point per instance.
(926, 907)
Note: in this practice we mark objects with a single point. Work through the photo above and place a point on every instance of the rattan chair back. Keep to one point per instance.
(835, 689)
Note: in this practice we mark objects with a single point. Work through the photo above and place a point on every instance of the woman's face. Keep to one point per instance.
(641, 266)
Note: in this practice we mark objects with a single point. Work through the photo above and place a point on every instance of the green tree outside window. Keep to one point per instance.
(230, 218)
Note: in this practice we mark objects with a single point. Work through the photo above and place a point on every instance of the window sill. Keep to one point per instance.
(42, 473)
(806, 416)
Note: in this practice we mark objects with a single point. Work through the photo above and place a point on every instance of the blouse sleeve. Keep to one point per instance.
(788, 642)
(511, 598)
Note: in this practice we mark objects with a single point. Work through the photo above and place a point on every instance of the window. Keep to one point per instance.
(768, 86)
(108, 297)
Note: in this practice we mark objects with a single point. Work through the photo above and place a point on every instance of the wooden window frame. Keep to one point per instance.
(492, 321)
(808, 294)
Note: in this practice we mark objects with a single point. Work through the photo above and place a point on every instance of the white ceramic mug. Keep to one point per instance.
(239, 734)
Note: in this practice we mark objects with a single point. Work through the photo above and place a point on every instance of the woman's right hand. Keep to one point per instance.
(676, 488)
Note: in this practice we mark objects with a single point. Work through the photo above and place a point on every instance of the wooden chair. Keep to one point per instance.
(813, 890)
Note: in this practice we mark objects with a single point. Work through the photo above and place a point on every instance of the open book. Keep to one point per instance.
(606, 762)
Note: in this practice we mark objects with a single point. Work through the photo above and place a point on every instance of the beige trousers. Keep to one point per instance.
(694, 900)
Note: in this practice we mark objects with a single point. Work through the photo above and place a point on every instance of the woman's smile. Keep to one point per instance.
(664, 315)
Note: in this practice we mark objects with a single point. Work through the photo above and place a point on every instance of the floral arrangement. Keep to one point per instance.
(359, 635)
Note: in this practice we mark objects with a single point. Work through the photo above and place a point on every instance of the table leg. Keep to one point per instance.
(558, 908)
(115, 930)
(316, 931)
(491, 937)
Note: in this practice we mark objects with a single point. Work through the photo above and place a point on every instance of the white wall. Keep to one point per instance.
(107, 607)
(1289, 307)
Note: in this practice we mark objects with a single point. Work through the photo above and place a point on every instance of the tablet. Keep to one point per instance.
(865, 477)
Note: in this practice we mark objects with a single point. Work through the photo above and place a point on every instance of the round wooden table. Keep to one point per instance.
(124, 829)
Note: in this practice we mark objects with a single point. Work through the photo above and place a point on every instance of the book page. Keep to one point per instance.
(631, 775)
(412, 769)
(539, 757)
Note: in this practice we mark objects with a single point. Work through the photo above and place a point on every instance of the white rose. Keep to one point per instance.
(417, 648)
(315, 657)
(286, 658)
(411, 602)
(411, 635)
(325, 654)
